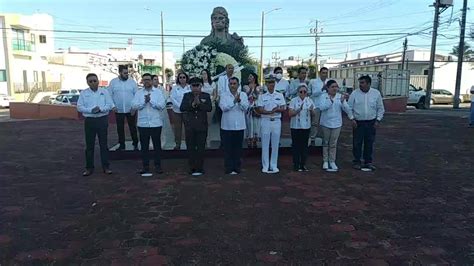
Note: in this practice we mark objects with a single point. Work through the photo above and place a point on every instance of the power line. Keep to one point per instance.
(201, 36)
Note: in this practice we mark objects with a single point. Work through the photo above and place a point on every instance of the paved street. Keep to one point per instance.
(4, 115)
(416, 209)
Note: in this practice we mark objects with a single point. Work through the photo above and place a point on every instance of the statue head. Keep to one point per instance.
(219, 20)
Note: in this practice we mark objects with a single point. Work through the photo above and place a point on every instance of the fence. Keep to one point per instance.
(20, 87)
(390, 82)
(419, 81)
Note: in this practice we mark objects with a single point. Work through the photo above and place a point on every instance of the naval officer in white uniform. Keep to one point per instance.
(270, 106)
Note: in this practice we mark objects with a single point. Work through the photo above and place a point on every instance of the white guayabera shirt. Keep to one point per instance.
(366, 105)
(122, 92)
(233, 114)
(149, 114)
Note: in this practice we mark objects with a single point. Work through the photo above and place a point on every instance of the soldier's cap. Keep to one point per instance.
(270, 79)
(303, 85)
(195, 80)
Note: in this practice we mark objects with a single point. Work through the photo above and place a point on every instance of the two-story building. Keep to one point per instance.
(25, 44)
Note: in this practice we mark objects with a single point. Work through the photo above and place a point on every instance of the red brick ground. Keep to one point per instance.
(417, 208)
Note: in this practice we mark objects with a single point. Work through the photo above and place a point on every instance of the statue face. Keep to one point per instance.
(218, 21)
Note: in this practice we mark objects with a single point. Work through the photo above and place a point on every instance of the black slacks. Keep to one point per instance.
(155, 134)
(232, 140)
(96, 126)
(363, 136)
(299, 146)
(132, 126)
(196, 145)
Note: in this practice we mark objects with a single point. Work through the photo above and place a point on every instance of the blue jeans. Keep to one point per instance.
(471, 122)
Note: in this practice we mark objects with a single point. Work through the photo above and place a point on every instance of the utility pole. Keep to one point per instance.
(457, 89)
(163, 74)
(316, 39)
(429, 85)
(260, 72)
(276, 57)
(184, 47)
(405, 47)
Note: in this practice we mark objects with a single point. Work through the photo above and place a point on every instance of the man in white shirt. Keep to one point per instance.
(95, 104)
(270, 106)
(367, 108)
(295, 83)
(282, 85)
(150, 103)
(317, 87)
(122, 89)
(223, 81)
(234, 106)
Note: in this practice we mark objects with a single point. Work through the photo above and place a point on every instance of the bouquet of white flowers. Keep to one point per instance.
(199, 58)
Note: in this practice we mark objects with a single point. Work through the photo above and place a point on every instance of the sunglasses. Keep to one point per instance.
(182, 77)
(195, 85)
(304, 92)
(91, 81)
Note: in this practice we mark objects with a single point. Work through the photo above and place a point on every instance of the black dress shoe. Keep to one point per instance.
(87, 172)
(158, 171)
(135, 147)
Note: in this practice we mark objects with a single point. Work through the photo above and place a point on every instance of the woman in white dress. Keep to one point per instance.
(253, 91)
(209, 87)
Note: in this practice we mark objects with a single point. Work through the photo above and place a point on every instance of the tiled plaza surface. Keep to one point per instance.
(416, 209)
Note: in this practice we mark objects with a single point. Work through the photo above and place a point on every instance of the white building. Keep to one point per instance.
(26, 43)
(417, 62)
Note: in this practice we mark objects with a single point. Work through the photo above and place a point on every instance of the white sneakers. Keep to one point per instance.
(325, 165)
(333, 167)
(330, 166)
(196, 174)
(233, 173)
(271, 171)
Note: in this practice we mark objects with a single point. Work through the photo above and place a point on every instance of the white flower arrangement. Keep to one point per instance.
(205, 57)
(199, 58)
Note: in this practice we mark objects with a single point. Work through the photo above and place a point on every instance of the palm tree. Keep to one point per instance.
(468, 54)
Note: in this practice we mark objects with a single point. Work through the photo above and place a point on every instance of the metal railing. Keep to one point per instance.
(20, 87)
(23, 45)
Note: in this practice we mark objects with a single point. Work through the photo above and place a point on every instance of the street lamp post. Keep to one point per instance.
(261, 42)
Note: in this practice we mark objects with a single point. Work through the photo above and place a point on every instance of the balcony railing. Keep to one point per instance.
(20, 87)
(23, 45)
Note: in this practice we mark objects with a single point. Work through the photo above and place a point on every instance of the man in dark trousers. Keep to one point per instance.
(149, 102)
(367, 107)
(123, 89)
(95, 104)
(195, 106)
(234, 106)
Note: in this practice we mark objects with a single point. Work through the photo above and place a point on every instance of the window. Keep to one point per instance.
(3, 75)
(42, 38)
(425, 72)
(33, 39)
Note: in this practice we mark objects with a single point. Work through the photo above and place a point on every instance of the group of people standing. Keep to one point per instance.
(252, 112)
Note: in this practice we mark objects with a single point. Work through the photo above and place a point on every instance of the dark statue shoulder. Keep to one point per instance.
(237, 38)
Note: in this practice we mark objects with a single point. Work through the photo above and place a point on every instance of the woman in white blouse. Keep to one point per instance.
(301, 108)
(331, 105)
(209, 87)
(176, 96)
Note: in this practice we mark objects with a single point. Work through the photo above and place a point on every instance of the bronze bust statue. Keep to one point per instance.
(220, 31)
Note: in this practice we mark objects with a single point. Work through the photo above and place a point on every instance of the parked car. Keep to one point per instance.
(442, 97)
(66, 99)
(63, 92)
(416, 97)
(5, 101)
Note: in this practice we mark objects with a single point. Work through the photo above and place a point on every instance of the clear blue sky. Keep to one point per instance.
(294, 17)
